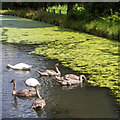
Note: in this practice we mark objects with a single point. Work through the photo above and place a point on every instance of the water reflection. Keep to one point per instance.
(72, 86)
(57, 111)
(23, 72)
(39, 112)
(15, 102)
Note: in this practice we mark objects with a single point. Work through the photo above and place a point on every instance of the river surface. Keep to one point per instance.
(61, 102)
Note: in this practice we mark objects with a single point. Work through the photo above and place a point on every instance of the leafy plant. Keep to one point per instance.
(79, 13)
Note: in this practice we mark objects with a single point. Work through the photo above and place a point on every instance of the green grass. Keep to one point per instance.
(85, 53)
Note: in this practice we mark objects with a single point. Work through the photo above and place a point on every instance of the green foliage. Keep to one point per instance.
(112, 18)
(98, 9)
(79, 13)
(103, 28)
(23, 5)
(58, 8)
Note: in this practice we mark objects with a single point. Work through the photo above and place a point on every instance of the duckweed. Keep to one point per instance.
(81, 52)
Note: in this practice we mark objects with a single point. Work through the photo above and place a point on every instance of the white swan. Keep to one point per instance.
(19, 66)
(32, 82)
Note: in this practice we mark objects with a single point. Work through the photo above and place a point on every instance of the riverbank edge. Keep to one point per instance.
(107, 87)
(95, 27)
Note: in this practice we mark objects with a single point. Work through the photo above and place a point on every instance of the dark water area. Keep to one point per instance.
(61, 102)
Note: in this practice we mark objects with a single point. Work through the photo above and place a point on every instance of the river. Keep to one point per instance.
(61, 102)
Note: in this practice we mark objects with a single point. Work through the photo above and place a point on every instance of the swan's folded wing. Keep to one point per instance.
(51, 72)
(71, 77)
(22, 92)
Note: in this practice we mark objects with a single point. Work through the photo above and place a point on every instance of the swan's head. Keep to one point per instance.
(56, 65)
(37, 87)
(83, 78)
(13, 81)
(8, 66)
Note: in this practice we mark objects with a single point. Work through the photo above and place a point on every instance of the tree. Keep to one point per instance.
(100, 8)
(70, 6)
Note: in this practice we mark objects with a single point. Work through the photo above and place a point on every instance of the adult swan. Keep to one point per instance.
(51, 72)
(19, 66)
(32, 82)
(70, 79)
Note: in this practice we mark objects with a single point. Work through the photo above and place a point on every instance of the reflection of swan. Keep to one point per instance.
(69, 87)
(22, 98)
(15, 102)
(19, 66)
(64, 87)
(23, 71)
(39, 102)
(22, 92)
(70, 79)
(50, 72)
(32, 82)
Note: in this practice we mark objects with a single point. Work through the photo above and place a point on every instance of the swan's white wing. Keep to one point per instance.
(32, 82)
(21, 66)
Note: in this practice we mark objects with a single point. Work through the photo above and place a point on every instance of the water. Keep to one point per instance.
(62, 102)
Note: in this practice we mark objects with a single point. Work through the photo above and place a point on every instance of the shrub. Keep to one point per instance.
(79, 13)
(112, 18)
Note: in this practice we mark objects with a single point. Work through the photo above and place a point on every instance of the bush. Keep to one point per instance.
(79, 13)
(112, 18)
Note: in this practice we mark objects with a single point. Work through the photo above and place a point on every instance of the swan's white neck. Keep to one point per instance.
(9, 66)
(81, 78)
(58, 72)
(38, 95)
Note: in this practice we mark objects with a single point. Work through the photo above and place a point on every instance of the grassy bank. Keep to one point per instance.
(104, 27)
(81, 52)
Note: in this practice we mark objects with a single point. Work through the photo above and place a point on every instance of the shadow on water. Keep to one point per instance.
(14, 22)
